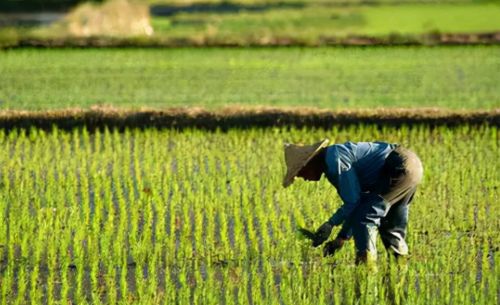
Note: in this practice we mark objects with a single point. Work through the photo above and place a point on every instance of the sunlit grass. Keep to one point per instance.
(312, 22)
(161, 216)
(449, 77)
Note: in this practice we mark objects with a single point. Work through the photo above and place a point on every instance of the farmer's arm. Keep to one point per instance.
(349, 190)
(345, 232)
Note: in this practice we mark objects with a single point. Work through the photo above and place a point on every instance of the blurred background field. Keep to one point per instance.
(447, 77)
(312, 22)
(244, 22)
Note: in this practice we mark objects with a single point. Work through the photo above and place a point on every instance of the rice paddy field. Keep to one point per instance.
(335, 78)
(261, 23)
(309, 22)
(195, 217)
(97, 215)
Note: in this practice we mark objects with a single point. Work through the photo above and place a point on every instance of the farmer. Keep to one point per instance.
(376, 182)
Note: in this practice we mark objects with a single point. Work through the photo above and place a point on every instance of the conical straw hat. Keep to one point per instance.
(297, 156)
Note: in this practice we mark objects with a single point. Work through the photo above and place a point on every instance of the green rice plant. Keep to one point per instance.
(333, 78)
(164, 216)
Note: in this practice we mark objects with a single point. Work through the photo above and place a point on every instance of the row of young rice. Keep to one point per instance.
(197, 217)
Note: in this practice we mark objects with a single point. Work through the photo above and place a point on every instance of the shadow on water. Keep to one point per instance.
(219, 8)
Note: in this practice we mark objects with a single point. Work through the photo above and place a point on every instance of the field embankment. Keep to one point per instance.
(237, 117)
(430, 39)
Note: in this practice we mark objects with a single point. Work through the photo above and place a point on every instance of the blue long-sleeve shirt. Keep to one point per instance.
(354, 168)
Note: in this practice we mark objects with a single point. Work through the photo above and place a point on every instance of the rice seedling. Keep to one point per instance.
(334, 78)
(163, 216)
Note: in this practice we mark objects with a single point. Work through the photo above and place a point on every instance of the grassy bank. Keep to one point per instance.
(334, 78)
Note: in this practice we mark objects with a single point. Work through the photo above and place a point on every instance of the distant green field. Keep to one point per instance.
(451, 77)
(332, 2)
(311, 22)
(314, 22)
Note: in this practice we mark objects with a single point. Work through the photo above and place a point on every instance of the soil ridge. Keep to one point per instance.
(240, 117)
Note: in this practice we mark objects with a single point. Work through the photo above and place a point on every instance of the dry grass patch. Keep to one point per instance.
(114, 18)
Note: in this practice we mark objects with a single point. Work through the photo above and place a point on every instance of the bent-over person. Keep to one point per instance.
(376, 182)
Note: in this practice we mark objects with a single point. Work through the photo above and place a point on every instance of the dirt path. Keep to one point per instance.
(432, 39)
(235, 117)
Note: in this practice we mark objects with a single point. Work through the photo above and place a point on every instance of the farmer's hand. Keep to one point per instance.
(322, 234)
(333, 246)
